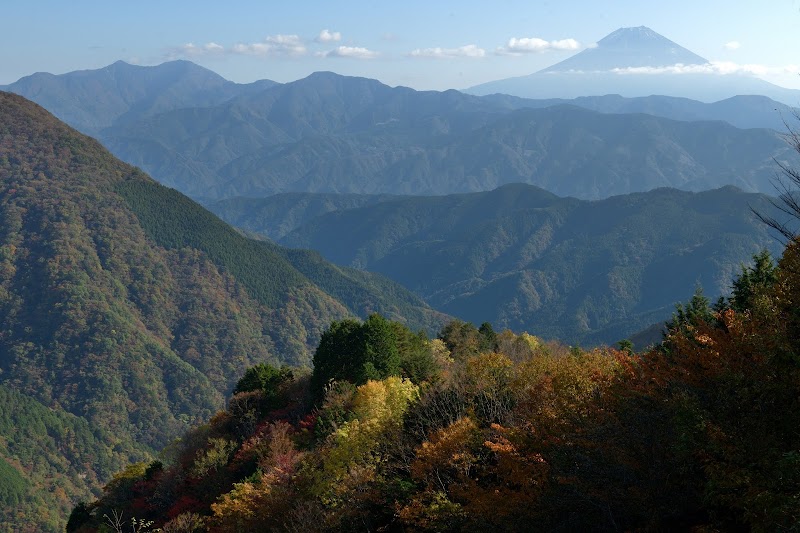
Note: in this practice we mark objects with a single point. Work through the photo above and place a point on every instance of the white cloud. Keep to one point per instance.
(528, 45)
(355, 52)
(713, 67)
(273, 45)
(190, 49)
(468, 51)
(733, 45)
(327, 36)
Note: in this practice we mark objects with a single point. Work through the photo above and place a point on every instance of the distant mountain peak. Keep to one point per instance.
(327, 75)
(634, 47)
(635, 61)
(635, 34)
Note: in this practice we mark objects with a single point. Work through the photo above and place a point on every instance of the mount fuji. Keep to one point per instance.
(636, 62)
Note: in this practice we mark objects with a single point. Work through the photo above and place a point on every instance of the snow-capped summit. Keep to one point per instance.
(629, 48)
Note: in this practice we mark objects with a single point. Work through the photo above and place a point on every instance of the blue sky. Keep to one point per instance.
(430, 44)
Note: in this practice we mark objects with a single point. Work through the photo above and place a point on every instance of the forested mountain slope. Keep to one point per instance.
(128, 311)
(329, 133)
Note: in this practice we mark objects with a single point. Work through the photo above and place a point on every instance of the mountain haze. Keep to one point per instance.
(627, 48)
(741, 111)
(636, 62)
(277, 215)
(329, 133)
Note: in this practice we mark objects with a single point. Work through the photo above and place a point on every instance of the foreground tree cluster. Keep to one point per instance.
(477, 430)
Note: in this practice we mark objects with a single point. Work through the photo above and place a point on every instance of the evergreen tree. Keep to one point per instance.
(461, 338)
(488, 340)
(379, 355)
(375, 349)
(753, 281)
(696, 311)
(338, 354)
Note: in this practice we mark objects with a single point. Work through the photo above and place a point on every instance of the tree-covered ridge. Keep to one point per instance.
(522, 258)
(87, 296)
(364, 292)
(173, 221)
(125, 304)
(506, 432)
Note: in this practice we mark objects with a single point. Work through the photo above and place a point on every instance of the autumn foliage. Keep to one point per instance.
(512, 433)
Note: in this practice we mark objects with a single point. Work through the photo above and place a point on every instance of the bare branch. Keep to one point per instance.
(787, 187)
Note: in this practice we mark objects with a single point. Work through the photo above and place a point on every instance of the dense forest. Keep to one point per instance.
(477, 430)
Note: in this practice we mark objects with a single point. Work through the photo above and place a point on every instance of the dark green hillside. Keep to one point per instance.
(268, 271)
(49, 459)
(365, 292)
(520, 257)
(129, 306)
(174, 221)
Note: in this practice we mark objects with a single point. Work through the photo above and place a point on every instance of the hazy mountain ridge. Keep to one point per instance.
(749, 111)
(498, 147)
(331, 133)
(92, 100)
(563, 268)
(279, 214)
(213, 149)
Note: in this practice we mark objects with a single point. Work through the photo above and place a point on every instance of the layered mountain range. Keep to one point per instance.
(330, 133)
